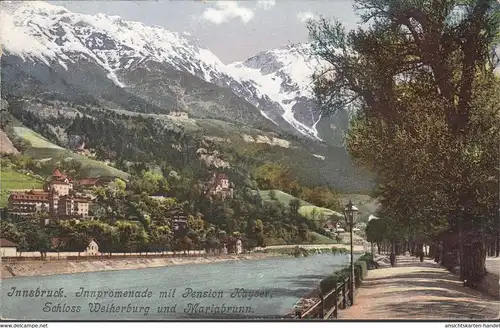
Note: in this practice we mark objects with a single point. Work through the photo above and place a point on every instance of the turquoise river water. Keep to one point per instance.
(266, 288)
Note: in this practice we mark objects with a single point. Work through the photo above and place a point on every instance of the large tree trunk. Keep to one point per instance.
(497, 247)
(439, 253)
(449, 256)
(474, 265)
(432, 251)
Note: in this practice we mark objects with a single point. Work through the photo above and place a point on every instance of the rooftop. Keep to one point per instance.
(6, 243)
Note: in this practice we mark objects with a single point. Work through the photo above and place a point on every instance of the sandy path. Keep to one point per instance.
(414, 290)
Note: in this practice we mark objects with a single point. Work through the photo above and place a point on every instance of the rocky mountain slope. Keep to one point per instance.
(285, 75)
(168, 71)
(57, 63)
(6, 146)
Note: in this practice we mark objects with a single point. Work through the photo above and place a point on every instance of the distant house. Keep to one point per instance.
(219, 185)
(178, 218)
(88, 183)
(8, 248)
(158, 198)
(330, 226)
(92, 248)
(80, 149)
(107, 179)
(239, 247)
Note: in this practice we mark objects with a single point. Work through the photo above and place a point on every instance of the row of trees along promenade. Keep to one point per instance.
(422, 77)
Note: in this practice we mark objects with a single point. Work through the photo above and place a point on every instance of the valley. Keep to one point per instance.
(160, 119)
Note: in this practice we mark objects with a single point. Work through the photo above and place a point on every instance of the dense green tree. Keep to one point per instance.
(421, 78)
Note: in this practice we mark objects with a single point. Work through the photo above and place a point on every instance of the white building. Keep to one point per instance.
(92, 249)
(7, 248)
(239, 248)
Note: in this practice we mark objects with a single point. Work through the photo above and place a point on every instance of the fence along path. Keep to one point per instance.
(329, 305)
(418, 291)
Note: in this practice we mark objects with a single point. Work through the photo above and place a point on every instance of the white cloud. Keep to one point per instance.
(266, 4)
(225, 11)
(305, 16)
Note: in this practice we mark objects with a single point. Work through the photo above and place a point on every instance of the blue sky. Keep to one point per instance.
(233, 30)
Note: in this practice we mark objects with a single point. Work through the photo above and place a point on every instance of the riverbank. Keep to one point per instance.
(313, 296)
(55, 267)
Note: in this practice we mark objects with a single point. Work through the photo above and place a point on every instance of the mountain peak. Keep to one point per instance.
(32, 6)
(277, 82)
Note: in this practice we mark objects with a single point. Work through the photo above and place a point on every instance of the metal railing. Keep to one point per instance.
(328, 305)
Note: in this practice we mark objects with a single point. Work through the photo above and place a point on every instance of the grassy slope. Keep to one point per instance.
(11, 180)
(282, 197)
(366, 204)
(41, 148)
(320, 239)
(315, 212)
(306, 209)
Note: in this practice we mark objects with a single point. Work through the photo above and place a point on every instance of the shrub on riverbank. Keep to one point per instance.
(299, 251)
(329, 283)
(368, 259)
(339, 276)
(336, 250)
(359, 272)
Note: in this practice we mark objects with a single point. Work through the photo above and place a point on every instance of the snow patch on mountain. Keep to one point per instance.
(267, 116)
(273, 81)
(284, 75)
(319, 156)
(264, 139)
(39, 30)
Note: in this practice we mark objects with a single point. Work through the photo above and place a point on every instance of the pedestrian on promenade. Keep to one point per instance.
(393, 259)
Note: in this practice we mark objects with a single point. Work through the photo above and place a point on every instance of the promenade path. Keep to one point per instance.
(493, 265)
(418, 291)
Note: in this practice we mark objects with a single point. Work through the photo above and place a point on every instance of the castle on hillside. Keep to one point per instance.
(219, 185)
(57, 199)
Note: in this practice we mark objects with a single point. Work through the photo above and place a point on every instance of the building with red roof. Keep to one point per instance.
(56, 199)
(7, 248)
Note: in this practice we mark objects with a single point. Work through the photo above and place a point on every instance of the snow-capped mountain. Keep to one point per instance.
(153, 64)
(285, 75)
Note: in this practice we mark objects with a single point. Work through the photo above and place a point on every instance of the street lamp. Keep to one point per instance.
(349, 214)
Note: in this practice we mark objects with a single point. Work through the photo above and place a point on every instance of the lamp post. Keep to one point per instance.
(349, 212)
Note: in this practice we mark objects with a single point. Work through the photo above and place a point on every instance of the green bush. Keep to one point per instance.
(329, 283)
(363, 267)
(336, 250)
(344, 273)
(359, 271)
(337, 278)
(368, 259)
(297, 252)
(357, 275)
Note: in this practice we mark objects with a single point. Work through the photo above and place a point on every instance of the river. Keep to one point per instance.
(278, 283)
